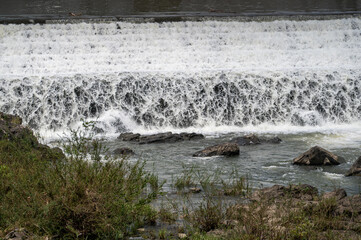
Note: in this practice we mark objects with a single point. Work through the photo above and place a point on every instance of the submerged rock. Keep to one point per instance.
(167, 137)
(246, 140)
(225, 149)
(123, 151)
(254, 140)
(274, 140)
(355, 169)
(318, 156)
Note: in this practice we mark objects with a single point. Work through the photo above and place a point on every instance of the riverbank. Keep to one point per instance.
(46, 194)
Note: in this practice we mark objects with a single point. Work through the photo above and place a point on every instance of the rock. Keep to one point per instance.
(194, 190)
(274, 140)
(129, 137)
(159, 138)
(12, 130)
(182, 235)
(355, 169)
(253, 140)
(338, 194)
(123, 151)
(166, 137)
(349, 206)
(278, 192)
(225, 149)
(18, 234)
(318, 156)
(246, 140)
(191, 136)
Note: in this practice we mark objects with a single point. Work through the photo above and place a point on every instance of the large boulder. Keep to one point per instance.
(318, 156)
(167, 137)
(225, 149)
(355, 169)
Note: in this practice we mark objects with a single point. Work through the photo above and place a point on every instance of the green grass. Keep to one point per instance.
(75, 197)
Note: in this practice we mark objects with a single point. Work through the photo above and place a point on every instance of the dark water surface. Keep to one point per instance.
(62, 8)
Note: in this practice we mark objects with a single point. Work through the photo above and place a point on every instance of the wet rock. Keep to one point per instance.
(129, 137)
(274, 140)
(355, 169)
(318, 156)
(253, 140)
(18, 234)
(166, 137)
(337, 194)
(191, 136)
(278, 192)
(123, 151)
(246, 140)
(159, 138)
(225, 149)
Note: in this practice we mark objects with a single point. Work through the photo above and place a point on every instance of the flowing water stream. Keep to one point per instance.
(300, 80)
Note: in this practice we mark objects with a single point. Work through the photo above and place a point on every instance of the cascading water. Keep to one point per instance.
(177, 75)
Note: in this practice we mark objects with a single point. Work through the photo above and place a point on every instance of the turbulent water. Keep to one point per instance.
(182, 74)
(299, 79)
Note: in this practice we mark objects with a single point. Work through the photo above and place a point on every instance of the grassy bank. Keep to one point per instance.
(78, 196)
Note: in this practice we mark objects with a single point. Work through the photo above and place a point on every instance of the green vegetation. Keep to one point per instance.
(79, 196)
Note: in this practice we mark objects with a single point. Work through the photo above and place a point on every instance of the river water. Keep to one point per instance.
(57, 8)
(298, 78)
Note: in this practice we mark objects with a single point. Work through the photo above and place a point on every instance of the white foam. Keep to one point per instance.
(210, 77)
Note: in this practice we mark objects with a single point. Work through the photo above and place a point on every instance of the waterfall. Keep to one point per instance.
(177, 75)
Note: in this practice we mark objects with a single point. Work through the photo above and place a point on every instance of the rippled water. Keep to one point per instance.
(264, 165)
